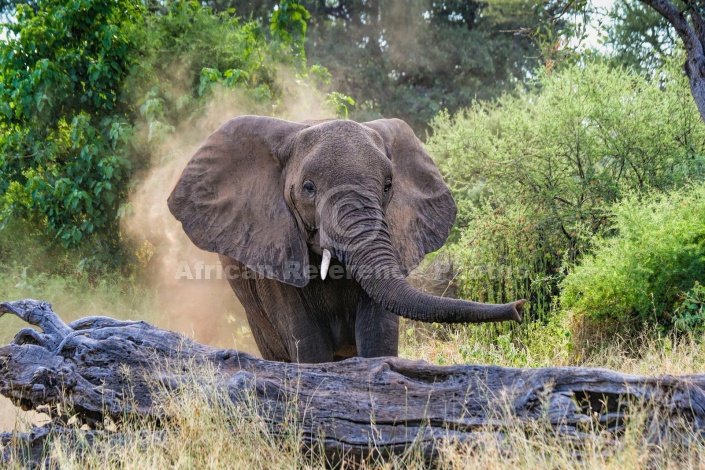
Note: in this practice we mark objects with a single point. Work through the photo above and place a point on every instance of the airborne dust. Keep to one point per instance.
(204, 309)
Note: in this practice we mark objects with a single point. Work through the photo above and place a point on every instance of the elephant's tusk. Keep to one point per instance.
(325, 263)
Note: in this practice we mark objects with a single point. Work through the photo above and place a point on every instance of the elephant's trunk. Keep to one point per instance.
(374, 265)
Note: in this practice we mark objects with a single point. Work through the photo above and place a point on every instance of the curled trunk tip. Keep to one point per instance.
(519, 310)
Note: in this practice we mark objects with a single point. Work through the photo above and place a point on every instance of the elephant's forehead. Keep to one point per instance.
(348, 158)
(338, 137)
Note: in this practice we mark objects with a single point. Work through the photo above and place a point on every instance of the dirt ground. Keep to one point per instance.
(13, 418)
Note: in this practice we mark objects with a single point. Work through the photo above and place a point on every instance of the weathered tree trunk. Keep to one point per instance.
(102, 367)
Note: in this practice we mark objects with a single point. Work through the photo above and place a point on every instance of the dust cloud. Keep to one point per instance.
(204, 309)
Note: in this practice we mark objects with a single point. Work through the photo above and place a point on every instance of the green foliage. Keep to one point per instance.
(639, 36)
(185, 55)
(541, 344)
(288, 25)
(189, 51)
(339, 103)
(29, 269)
(190, 57)
(63, 119)
(533, 174)
(92, 90)
(690, 314)
(412, 58)
(644, 272)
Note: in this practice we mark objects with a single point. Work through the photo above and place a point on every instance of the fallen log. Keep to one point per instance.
(98, 367)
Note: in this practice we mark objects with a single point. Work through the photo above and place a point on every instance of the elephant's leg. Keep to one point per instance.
(376, 330)
(283, 328)
(270, 344)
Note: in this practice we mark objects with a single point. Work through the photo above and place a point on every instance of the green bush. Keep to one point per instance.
(652, 270)
(534, 173)
(90, 91)
(690, 314)
(63, 116)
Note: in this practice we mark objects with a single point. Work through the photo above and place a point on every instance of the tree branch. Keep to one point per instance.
(693, 40)
(695, 8)
(675, 17)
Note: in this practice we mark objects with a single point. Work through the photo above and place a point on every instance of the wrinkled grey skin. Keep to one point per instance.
(268, 195)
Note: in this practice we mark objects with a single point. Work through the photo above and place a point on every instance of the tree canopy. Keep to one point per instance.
(413, 58)
(89, 89)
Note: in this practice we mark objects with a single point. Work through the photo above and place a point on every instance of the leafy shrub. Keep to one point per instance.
(690, 314)
(643, 273)
(63, 116)
(411, 58)
(91, 89)
(533, 173)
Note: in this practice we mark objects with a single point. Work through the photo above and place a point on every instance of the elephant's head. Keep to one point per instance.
(267, 192)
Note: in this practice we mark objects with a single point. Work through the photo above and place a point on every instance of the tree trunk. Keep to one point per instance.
(696, 76)
(693, 36)
(103, 367)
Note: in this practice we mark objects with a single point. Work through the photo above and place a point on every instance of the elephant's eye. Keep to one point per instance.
(387, 187)
(309, 187)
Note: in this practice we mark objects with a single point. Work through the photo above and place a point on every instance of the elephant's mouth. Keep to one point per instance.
(314, 244)
(314, 241)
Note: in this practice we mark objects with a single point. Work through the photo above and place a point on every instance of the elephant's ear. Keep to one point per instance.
(422, 210)
(230, 198)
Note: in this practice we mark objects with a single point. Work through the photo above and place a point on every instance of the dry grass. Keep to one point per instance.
(644, 353)
(208, 431)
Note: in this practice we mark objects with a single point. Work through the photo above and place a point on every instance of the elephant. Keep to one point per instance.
(362, 201)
